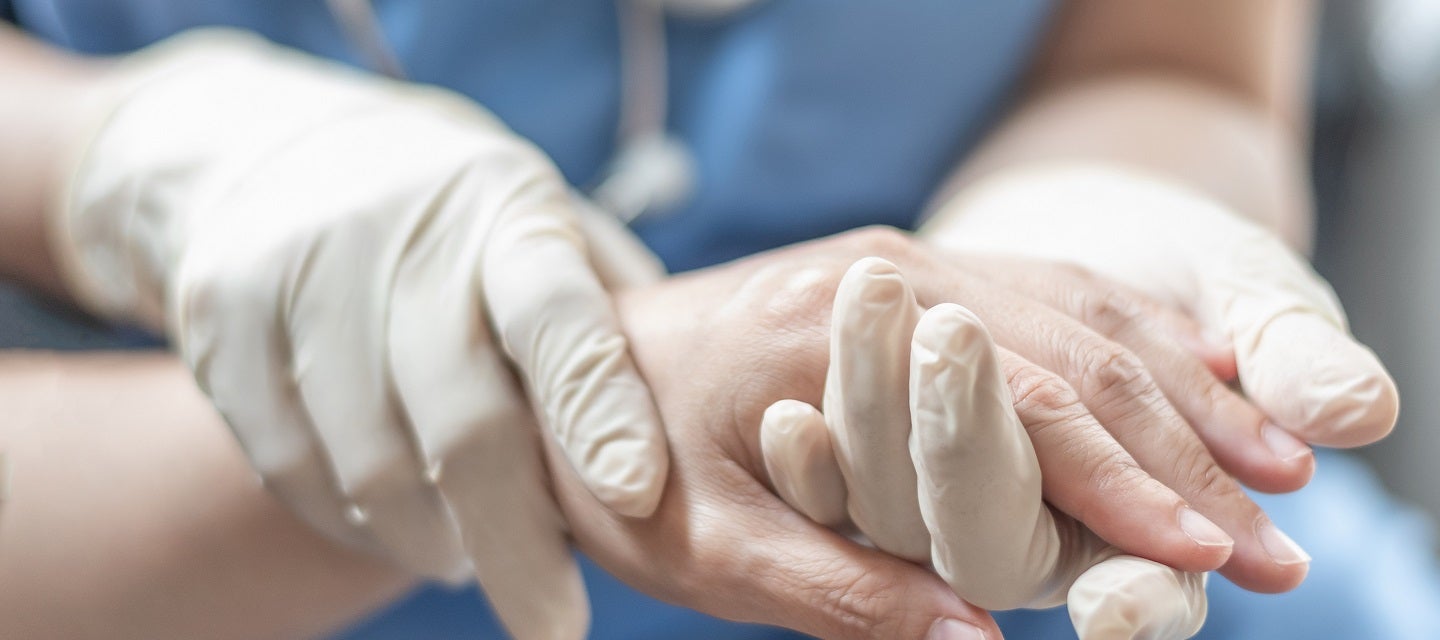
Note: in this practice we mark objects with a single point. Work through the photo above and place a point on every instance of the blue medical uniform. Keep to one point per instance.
(806, 117)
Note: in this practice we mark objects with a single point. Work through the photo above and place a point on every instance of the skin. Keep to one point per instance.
(133, 514)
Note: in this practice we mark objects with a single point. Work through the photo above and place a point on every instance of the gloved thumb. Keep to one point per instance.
(1130, 598)
(1293, 351)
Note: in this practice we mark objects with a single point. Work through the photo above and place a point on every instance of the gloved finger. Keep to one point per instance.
(1294, 353)
(800, 461)
(619, 258)
(1130, 598)
(993, 538)
(245, 373)
(343, 383)
(558, 323)
(481, 443)
(1087, 474)
(874, 316)
(1236, 433)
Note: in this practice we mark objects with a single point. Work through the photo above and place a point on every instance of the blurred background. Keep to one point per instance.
(1377, 183)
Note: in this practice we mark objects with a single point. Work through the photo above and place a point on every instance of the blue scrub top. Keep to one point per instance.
(806, 117)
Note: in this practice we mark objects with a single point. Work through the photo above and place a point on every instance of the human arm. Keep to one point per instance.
(41, 109)
(1160, 146)
(133, 514)
(720, 346)
(1211, 95)
(236, 570)
(351, 266)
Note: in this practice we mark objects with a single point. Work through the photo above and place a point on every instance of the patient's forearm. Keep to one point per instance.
(40, 111)
(132, 514)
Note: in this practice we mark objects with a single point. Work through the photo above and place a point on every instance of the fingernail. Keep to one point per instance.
(1281, 548)
(950, 629)
(1204, 532)
(1286, 447)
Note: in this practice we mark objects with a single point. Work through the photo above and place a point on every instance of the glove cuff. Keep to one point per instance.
(1178, 246)
(92, 221)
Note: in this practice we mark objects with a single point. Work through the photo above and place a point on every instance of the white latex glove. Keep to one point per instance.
(918, 416)
(332, 252)
(1296, 358)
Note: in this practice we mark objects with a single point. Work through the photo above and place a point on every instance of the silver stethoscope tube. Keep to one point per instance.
(652, 171)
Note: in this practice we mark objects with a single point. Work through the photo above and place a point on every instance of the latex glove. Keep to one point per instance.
(332, 252)
(1295, 356)
(959, 452)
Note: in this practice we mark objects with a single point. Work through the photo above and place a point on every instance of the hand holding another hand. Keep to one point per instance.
(963, 457)
(720, 346)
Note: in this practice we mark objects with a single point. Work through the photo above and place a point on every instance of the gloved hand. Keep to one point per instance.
(922, 438)
(1295, 356)
(332, 253)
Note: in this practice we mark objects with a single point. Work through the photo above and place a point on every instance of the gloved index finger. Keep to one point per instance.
(874, 316)
(481, 445)
(558, 324)
(993, 538)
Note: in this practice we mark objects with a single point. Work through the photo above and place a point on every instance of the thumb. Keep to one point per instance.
(791, 572)
(1125, 597)
(1294, 354)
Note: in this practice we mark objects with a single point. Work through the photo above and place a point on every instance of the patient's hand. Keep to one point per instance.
(955, 442)
(720, 346)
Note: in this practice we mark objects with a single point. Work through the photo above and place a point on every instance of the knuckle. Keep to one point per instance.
(1110, 312)
(1113, 473)
(785, 297)
(883, 241)
(1106, 369)
(1036, 389)
(1046, 403)
(1201, 476)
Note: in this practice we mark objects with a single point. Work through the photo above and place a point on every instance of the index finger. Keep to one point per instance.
(558, 323)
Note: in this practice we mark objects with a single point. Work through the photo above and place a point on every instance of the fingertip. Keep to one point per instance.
(1130, 597)
(1186, 540)
(1319, 383)
(953, 629)
(629, 489)
(1269, 561)
(800, 460)
(951, 329)
(1209, 546)
(872, 281)
(1291, 466)
(626, 473)
(875, 266)
(1269, 459)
